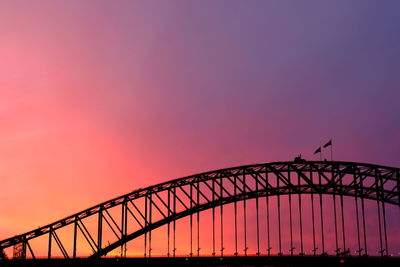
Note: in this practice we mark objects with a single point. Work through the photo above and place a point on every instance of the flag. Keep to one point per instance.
(317, 151)
(328, 144)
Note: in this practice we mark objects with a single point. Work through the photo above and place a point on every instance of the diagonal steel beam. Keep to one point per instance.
(60, 245)
(87, 235)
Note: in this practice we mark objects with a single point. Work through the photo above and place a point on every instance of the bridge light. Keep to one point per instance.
(341, 261)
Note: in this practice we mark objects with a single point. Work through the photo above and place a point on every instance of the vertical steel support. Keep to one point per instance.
(198, 220)
(191, 221)
(313, 216)
(343, 221)
(245, 216)
(49, 245)
(174, 223)
(385, 230)
(358, 228)
(19, 250)
(363, 218)
(321, 213)
(301, 219)
(398, 187)
(213, 217)
(279, 218)
(336, 227)
(290, 214)
(25, 242)
(235, 212)
(75, 237)
(169, 226)
(384, 223)
(380, 226)
(378, 201)
(145, 225)
(257, 221)
(150, 220)
(268, 222)
(100, 229)
(334, 213)
(357, 217)
(222, 218)
(124, 225)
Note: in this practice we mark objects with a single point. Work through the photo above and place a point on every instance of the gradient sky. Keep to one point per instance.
(98, 98)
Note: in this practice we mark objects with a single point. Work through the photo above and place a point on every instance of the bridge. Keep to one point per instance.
(280, 210)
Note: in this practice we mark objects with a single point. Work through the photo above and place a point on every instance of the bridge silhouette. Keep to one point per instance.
(291, 210)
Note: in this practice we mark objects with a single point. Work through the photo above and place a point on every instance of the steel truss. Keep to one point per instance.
(144, 210)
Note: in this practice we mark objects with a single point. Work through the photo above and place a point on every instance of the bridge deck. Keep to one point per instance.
(217, 261)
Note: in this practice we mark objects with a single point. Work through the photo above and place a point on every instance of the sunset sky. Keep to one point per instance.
(98, 98)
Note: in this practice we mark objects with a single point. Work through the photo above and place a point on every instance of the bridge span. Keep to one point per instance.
(239, 261)
(315, 211)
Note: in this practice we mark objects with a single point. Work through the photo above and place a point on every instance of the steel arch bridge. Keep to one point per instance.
(291, 201)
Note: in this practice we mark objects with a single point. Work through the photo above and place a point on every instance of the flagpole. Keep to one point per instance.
(320, 153)
(329, 144)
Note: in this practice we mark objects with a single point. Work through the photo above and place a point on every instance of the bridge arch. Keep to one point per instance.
(186, 196)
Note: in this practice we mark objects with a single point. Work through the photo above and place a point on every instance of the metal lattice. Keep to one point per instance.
(144, 210)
